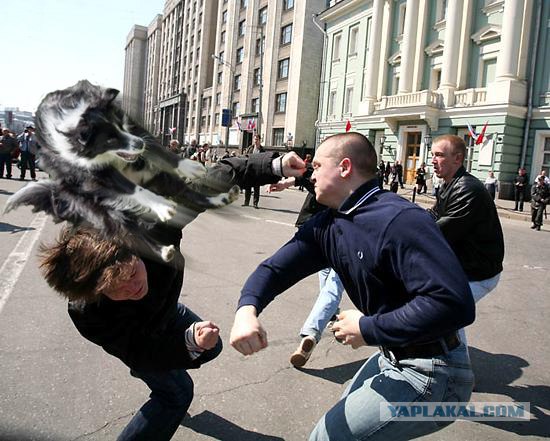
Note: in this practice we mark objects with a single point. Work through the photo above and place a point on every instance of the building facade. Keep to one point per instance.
(134, 72)
(405, 71)
(259, 59)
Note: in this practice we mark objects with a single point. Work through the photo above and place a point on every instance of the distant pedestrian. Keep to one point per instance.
(520, 186)
(28, 147)
(540, 198)
(421, 179)
(387, 173)
(380, 172)
(394, 179)
(256, 147)
(174, 146)
(8, 145)
(543, 174)
(399, 172)
(491, 184)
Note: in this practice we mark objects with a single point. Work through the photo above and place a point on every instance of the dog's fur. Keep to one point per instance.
(109, 172)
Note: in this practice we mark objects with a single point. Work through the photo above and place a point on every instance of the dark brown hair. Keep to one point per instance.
(456, 142)
(80, 264)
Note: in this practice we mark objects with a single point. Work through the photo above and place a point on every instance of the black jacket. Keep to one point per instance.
(139, 332)
(467, 217)
(540, 195)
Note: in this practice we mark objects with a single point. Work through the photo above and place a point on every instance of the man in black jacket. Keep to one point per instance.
(128, 304)
(467, 217)
(521, 182)
(540, 198)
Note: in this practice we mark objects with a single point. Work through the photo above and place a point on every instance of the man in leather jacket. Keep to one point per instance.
(467, 217)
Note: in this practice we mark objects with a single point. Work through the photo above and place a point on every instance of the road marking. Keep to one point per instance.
(13, 266)
(267, 220)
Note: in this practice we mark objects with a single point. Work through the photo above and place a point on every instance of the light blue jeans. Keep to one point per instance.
(357, 415)
(479, 290)
(326, 305)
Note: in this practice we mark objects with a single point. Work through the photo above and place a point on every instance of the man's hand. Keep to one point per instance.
(293, 165)
(247, 335)
(206, 334)
(346, 328)
(281, 185)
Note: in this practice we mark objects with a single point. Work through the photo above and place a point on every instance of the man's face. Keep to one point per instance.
(445, 161)
(257, 140)
(133, 288)
(327, 176)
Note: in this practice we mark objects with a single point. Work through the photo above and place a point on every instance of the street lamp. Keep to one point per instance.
(230, 106)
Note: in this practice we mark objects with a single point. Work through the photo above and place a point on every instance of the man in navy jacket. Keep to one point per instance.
(408, 286)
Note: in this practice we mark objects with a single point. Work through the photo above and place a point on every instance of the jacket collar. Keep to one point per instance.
(359, 196)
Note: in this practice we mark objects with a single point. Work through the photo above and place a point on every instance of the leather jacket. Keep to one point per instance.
(467, 217)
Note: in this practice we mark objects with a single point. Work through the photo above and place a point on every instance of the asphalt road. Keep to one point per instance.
(54, 385)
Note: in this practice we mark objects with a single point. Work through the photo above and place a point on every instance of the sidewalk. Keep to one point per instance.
(505, 208)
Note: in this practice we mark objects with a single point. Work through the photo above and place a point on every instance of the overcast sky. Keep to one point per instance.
(52, 44)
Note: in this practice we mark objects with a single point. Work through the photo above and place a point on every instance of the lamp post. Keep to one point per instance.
(230, 106)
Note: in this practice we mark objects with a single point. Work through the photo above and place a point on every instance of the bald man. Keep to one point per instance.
(408, 287)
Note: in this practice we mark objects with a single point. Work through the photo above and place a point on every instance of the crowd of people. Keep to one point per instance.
(413, 275)
(22, 148)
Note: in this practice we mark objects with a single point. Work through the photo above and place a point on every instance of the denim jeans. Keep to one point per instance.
(326, 305)
(479, 289)
(357, 415)
(171, 393)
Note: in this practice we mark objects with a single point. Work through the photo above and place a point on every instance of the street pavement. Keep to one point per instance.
(57, 386)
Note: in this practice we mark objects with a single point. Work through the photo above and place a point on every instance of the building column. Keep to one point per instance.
(407, 47)
(449, 80)
(507, 88)
(373, 59)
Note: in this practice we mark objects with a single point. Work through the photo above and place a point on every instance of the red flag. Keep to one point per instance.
(348, 126)
(479, 139)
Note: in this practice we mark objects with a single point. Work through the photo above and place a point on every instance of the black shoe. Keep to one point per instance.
(21, 179)
(256, 206)
(244, 205)
(515, 209)
(538, 227)
(533, 226)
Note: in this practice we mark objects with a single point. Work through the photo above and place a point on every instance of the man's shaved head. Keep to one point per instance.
(356, 147)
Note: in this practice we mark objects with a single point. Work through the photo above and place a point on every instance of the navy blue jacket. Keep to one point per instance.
(395, 264)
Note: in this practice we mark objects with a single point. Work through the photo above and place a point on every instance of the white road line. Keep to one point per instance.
(13, 266)
(267, 220)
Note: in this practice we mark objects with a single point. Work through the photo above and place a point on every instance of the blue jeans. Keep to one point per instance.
(171, 392)
(479, 290)
(357, 415)
(326, 305)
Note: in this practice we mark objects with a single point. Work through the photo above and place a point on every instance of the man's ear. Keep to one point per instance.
(345, 167)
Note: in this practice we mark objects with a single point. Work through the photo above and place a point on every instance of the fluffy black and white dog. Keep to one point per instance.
(110, 173)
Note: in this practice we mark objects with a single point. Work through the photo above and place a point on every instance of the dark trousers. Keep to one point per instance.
(5, 161)
(171, 393)
(247, 193)
(519, 197)
(536, 214)
(27, 161)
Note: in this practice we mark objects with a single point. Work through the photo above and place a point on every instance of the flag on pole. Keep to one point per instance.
(348, 126)
(478, 138)
(172, 130)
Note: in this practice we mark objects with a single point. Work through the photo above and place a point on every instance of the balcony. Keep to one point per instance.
(414, 99)
(470, 97)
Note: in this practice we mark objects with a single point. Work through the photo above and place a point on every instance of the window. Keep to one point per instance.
(402, 13)
(288, 4)
(257, 76)
(220, 56)
(218, 98)
(286, 34)
(219, 81)
(283, 68)
(546, 156)
(222, 37)
(205, 103)
(237, 82)
(240, 55)
(242, 28)
(236, 109)
(259, 46)
(349, 99)
(353, 33)
(279, 136)
(332, 103)
(441, 10)
(280, 102)
(489, 71)
(255, 107)
(244, 4)
(203, 121)
(224, 16)
(262, 16)
(336, 47)
(435, 80)
(217, 117)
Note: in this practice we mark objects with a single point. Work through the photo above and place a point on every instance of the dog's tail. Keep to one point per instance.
(37, 194)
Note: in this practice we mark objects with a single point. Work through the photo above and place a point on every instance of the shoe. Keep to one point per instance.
(300, 357)
(244, 205)
(533, 226)
(538, 227)
(34, 179)
(21, 179)
(256, 206)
